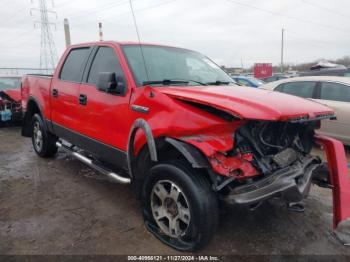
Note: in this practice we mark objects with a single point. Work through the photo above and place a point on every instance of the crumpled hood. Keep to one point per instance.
(250, 103)
(15, 94)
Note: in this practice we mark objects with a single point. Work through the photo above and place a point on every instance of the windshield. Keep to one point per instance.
(169, 63)
(9, 83)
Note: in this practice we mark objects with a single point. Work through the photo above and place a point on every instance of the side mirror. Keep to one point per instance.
(108, 82)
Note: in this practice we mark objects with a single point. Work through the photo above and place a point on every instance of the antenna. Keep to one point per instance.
(138, 37)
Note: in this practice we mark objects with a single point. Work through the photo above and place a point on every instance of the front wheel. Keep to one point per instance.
(179, 206)
(44, 143)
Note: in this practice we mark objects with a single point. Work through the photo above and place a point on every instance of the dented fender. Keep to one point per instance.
(339, 177)
(215, 148)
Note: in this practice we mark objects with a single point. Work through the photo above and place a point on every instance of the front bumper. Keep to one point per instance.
(291, 183)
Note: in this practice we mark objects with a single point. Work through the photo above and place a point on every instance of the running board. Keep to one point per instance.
(111, 176)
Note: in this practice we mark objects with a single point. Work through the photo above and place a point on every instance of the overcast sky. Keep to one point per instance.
(228, 31)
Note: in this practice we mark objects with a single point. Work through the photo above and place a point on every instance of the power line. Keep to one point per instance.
(99, 10)
(288, 16)
(127, 13)
(320, 42)
(326, 8)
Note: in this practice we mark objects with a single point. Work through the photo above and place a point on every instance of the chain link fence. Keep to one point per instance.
(19, 71)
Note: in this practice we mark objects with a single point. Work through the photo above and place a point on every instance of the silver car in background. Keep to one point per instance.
(332, 91)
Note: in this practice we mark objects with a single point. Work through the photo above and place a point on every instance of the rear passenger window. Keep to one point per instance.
(335, 92)
(302, 89)
(104, 61)
(73, 67)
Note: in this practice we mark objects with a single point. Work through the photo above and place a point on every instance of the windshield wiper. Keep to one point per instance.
(174, 81)
(165, 82)
(218, 83)
(195, 81)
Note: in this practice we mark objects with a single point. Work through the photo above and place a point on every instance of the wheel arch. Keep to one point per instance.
(33, 107)
(158, 149)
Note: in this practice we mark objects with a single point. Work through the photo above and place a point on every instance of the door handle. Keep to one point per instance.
(82, 99)
(54, 92)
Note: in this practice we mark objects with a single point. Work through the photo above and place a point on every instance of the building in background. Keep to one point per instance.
(262, 70)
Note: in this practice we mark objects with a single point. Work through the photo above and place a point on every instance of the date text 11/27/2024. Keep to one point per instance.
(173, 258)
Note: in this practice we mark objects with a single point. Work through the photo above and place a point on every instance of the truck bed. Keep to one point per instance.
(37, 86)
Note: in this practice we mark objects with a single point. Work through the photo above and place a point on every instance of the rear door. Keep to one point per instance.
(337, 97)
(65, 92)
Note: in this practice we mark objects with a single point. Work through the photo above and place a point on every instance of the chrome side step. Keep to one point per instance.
(111, 176)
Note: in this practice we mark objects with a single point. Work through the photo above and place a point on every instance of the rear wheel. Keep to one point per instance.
(44, 143)
(179, 206)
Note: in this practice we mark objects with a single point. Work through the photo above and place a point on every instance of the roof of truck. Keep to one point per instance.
(122, 43)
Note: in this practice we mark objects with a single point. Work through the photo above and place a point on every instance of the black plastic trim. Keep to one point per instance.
(111, 155)
(140, 124)
(26, 125)
(192, 154)
(89, 63)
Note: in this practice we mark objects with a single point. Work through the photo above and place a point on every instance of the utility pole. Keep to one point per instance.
(282, 46)
(66, 32)
(48, 54)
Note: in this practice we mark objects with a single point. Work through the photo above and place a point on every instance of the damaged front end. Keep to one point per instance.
(261, 160)
(280, 153)
(10, 109)
(267, 159)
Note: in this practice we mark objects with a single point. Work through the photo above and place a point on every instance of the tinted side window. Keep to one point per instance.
(73, 67)
(104, 61)
(302, 89)
(335, 92)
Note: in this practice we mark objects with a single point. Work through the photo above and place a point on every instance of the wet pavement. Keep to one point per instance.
(59, 206)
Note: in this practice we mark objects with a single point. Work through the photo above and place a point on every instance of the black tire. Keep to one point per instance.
(47, 147)
(202, 205)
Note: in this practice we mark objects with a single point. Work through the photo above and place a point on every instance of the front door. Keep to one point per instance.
(104, 116)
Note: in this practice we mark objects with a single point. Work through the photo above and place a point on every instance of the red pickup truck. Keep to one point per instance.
(173, 124)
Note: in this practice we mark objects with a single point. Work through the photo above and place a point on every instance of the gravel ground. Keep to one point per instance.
(59, 206)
